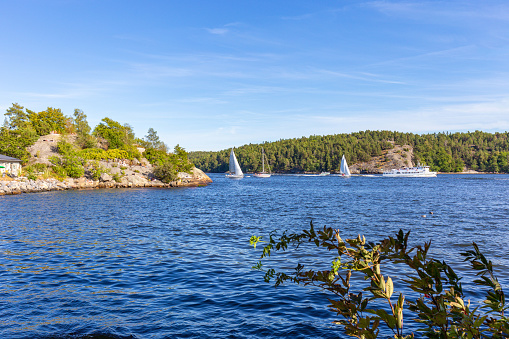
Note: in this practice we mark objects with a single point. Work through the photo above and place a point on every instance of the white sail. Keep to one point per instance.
(344, 168)
(235, 171)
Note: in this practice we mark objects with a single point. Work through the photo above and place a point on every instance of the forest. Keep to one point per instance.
(443, 152)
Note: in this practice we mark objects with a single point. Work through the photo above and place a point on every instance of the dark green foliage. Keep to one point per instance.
(70, 161)
(445, 152)
(440, 307)
(16, 118)
(13, 143)
(82, 129)
(166, 172)
(52, 119)
(156, 157)
(169, 165)
(118, 136)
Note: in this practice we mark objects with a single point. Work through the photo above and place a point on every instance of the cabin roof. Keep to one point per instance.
(5, 158)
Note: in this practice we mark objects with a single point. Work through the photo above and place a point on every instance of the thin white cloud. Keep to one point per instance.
(203, 101)
(424, 10)
(217, 31)
(455, 52)
(368, 77)
(461, 117)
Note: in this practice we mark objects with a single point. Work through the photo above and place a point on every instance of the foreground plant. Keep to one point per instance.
(364, 309)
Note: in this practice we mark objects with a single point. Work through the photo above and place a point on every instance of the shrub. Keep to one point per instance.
(166, 172)
(65, 148)
(59, 171)
(96, 170)
(440, 307)
(93, 154)
(39, 167)
(118, 154)
(74, 167)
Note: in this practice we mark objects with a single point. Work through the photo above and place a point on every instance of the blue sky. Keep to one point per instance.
(209, 75)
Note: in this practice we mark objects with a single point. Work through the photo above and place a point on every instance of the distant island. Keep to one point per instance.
(60, 152)
(370, 152)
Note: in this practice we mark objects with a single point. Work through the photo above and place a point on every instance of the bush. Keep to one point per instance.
(65, 148)
(39, 167)
(440, 307)
(59, 171)
(166, 172)
(96, 170)
(74, 167)
(100, 154)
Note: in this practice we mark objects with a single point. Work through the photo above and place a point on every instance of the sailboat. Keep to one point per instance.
(345, 172)
(235, 171)
(263, 174)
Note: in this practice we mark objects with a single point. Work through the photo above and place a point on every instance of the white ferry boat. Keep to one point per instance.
(411, 172)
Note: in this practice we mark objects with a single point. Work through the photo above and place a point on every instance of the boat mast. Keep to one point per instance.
(263, 161)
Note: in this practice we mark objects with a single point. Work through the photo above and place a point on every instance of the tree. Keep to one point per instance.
(440, 307)
(52, 119)
(16, 118)
(152, 138)
(169, 166)
(13, 143)
(152, 141)
(118, 136)
(82, 128)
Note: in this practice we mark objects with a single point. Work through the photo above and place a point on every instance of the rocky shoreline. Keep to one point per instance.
(135, 180)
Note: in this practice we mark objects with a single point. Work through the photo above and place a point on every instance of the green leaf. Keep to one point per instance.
(389, 287)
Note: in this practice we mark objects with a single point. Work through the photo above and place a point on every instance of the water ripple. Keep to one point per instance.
(154, 263)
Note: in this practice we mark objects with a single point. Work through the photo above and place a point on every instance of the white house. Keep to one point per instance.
(9, 165)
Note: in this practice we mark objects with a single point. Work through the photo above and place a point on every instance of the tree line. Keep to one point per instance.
(22, 127)
(444, 152)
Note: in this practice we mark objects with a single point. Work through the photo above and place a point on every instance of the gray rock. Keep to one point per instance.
(115, 170)
(106, 177)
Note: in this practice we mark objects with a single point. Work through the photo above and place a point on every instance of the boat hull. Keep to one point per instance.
(424, 175)
(235, 176)
(410, 172)
(261, 175)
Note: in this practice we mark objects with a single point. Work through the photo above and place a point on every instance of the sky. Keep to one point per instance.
(213, 74)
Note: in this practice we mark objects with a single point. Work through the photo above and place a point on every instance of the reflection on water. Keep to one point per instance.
(155, 263)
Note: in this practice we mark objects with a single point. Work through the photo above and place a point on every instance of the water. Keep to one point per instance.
(166, 263)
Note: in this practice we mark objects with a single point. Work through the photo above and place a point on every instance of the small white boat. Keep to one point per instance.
(235, 171)
(322, 174)
(343, 169)
(263, 174)
(410, 172)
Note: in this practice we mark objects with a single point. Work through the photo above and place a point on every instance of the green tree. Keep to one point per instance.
(152, 141)
(118, 136)
(16, 118)
(169, 167)
(52, 119)
(82, 128)
(13, 143)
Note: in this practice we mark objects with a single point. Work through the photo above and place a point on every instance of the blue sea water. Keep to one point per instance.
(176, 263)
